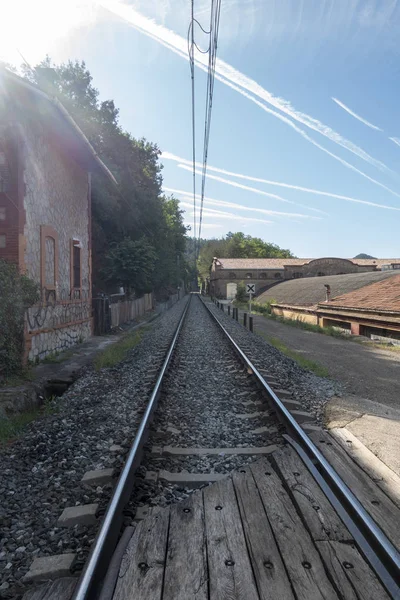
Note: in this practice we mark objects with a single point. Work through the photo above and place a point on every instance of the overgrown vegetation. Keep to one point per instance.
(256, 307)
(241, 295)
(12, 426)
(138, 234)
(18, 292)
(332, 331)
(381, 346)
(301, 360)
(117, 352)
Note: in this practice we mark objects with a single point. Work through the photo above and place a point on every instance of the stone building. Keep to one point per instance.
(45, 212)
(225, 273)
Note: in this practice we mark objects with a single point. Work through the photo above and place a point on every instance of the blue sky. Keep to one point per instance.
(306, 100)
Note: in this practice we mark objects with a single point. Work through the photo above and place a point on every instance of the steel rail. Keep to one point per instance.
(389, 556)
(106, 539)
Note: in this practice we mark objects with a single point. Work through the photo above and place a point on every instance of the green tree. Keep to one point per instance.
(131, 264)
(239, 245)
(171, 267)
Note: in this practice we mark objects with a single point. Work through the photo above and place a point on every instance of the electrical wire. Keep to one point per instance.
(191, 61)
(214, 29)
(212, 56)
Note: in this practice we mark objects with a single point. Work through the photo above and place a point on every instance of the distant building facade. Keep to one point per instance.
(225, 273)
(45, 212)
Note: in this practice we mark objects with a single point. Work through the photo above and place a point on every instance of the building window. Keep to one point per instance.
(297, 275)
(2, 241)
(76, 267)
(48, 261)
(249, 276)
(5, 173)
(2, 213)
(277, 276)
(263, 276)
(320, 274)
(232, 275)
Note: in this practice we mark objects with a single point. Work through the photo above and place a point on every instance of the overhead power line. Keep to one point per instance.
(191, 60)
(212, 57)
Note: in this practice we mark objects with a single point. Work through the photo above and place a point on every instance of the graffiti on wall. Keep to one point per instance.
(58, 308)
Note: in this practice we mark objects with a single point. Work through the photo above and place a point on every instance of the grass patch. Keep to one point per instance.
(115, 353)
(58, 357)
(311, 327)
(383, 346)
(265, 310)
(306, 363)
(18, 378)
(11, 427)
(256, 308)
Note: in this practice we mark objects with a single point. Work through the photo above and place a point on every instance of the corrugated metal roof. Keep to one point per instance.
(309, 291)
(279, 263)
(381, 295)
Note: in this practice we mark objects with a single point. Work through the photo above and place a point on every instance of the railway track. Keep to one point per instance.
(205, 418)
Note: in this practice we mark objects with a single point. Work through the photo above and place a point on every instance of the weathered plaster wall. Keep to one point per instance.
(295, 314)
(56, 196)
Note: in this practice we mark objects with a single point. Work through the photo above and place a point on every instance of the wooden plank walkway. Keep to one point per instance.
(266, 533)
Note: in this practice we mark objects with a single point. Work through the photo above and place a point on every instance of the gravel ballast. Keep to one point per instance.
(42, 470)
(200, 407)
(203, 407)
(311, 391)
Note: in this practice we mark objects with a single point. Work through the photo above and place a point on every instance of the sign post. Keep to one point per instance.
(250, 290)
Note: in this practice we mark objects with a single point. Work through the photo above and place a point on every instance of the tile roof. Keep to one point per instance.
(260, 263)
(382, 295)
(309, 291)
(279, 263)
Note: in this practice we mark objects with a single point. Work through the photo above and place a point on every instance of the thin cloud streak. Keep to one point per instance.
(355, 115)
(220, 214)
(395, 140)
(251, 189)
(188, 196)
(299, 188)
(305, 136)
(229, 75)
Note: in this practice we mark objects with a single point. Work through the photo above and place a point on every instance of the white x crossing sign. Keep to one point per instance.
(250, 288)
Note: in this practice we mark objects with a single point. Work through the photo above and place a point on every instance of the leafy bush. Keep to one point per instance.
(241, 295)
(264, 309)
(17, 293)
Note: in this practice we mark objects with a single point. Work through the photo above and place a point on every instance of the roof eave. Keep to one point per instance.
(65, 114)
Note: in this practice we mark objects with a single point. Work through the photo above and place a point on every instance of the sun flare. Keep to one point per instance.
(34, 28)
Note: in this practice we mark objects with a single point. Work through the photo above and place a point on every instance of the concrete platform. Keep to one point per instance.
(377, 426)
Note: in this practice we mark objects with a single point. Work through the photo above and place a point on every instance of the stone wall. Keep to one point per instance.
(328, 266)
(57, 212)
